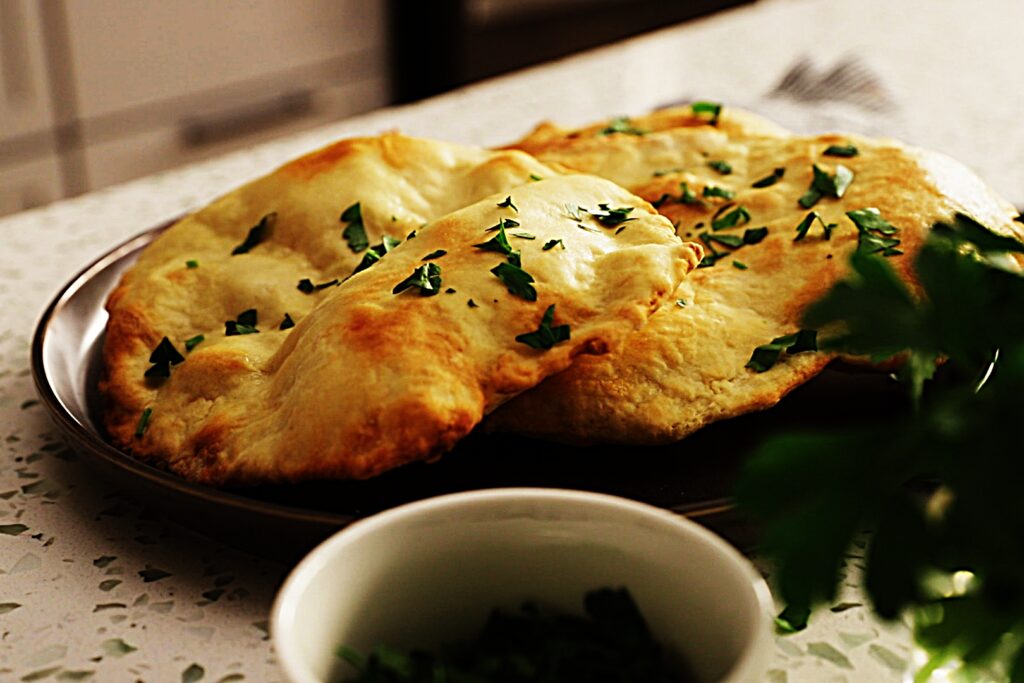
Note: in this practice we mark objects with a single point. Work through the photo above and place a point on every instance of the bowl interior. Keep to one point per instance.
(431, 572)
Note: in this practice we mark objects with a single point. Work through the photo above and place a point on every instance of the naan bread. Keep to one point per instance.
(369, 379)
(686, 367)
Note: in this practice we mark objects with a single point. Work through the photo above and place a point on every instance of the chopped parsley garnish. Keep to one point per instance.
(620, 229)
(668, 171)
(715, 191)
(622, 125)
(841, 151)
(427, 278)
(434, 254)
(545, 336)
(410, 235)
(767, 355)
(516, 280)
(713, 108)
(875, 234)
(355, 232)
(721, 166)
(770, 180)
(503, 223)
(681, 303)
(140, 429)
(805, 225)
(686, 195)
(871, 219)
(733, 241)
(825, 185)
(191, 263)
(244, 324)
(754, 235)
(534, 177)
(450, 290)
(287, 323)
(737, 216)
(162, 358)
(193, 342)
(1020, 217)
(524, 235)
(306, 285)
(472, 304)
(574, 213)
(257, 234)
(499, 243)
(739, 265)
(507, 204)
(588, 229)
(550, 244)
(609, 217)
(376, 253)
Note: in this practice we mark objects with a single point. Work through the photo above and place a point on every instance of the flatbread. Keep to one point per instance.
(369, 379)
(686, 368)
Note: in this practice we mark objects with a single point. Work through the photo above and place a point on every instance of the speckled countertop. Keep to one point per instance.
(93, 587)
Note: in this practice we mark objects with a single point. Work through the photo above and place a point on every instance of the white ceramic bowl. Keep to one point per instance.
(431, 572)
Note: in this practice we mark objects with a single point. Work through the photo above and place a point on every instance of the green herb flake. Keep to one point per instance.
(686, 195)
(739, 265)
(193, 342)
(668, 171)
(524, 235)
(244, 324)
(715, 191)
(573, 212)
(472, 304)
(845, 151)
(766, 356)
(534, 177)
(499, 243)
(609, 217)
(875, 234)
(507, 204)
(871, 219)
(517, 280)
(737, 216)
(770, 180)
(426, 278)
(681, 303)
(825, 185)
(622, 125)
(287, 323)
(143, 424)
(805, 225)
(162, 358)
(257, 234)
(754, 235)
(191, 263)
(550, 244)
(434, 254)
(354, 232)
(733, 241)
(721, 166)
(713, 108)
(306, 285)
(377, 252)
(503, 223)
(545, 336)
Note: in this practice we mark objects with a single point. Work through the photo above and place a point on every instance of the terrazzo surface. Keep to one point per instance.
(95, 587)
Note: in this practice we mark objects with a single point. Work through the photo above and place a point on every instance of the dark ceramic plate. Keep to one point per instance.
(692, 477)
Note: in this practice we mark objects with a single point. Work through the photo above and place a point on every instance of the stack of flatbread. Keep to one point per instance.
(370, 304)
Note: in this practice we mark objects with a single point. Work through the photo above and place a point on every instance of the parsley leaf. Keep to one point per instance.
(507, 204)
(257, 234)
(306, 285)
(681, 303)
(545, 336)
(472, 304)
(871, 219)
(733, 241)
(770, 180)
(874, 232)
(162, 358)
(503, 223)
(191, 263)
(434, 254)
(550, 244)
(737, 216)
(499, 243)
(140, 429)
(713, 108)
(767, 355)
(516, 280)
(287, 323)
(244, 324)
(715, 191)
(841, 151)
(524, 235)
(805, 225)
(825, 185)
(609, 217)
(739, 265)
(355, 232)
(427, 278)
(721, 166)
(622, 125)
(754, 235)
(193, 342)
(376, 253)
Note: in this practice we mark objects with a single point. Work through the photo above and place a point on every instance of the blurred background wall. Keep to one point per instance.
(96, 92)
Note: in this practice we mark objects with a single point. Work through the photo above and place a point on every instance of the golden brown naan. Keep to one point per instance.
(685, 368)
(369, 379)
